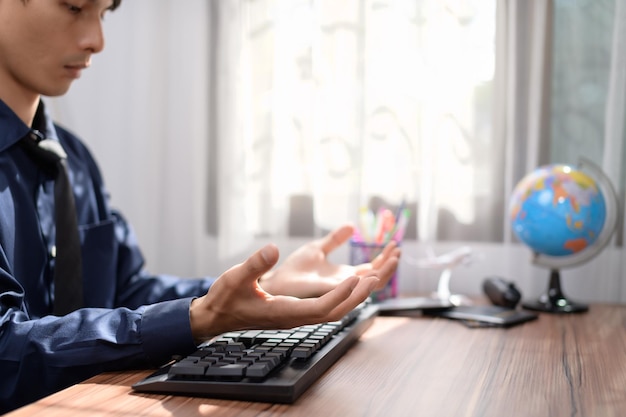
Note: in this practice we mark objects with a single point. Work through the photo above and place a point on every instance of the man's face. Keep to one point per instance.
(45, 44)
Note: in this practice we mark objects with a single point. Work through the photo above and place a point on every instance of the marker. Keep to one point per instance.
(385, 224)
(401, 225)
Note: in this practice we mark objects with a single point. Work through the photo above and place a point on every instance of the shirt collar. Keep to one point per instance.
(13, 129)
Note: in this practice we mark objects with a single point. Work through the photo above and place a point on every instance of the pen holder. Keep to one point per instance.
(365, 252)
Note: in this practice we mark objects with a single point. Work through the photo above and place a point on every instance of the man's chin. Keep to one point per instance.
(57, 90)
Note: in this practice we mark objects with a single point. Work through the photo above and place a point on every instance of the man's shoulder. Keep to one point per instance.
(77, 150)
(66, 134)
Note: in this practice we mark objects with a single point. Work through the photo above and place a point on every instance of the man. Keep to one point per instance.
(128, 317)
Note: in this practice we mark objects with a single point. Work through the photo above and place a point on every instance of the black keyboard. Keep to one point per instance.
(261, 365)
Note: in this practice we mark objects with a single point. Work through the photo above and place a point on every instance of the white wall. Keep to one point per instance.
(142, 109)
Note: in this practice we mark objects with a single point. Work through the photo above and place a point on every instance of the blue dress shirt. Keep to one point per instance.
(131, 319)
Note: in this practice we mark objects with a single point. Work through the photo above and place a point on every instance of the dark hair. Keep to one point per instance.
(115, 5)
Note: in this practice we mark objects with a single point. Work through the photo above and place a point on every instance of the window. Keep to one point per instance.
(346, 104)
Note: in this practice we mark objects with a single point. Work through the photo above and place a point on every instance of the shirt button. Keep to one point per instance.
(53, 251)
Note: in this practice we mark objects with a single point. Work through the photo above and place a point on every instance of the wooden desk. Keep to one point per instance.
(558, 365)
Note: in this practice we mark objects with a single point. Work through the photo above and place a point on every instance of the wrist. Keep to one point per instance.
(201, 321)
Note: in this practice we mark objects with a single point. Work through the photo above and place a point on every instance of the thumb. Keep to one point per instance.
(336, 238)
(242, 275)
(260, 262)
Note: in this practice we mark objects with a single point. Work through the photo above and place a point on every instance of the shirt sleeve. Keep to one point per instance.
(41, 356)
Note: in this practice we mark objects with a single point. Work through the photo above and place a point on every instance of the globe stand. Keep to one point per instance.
(554, 301)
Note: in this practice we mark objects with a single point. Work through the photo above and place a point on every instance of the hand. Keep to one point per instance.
(307, 272)
(236, 301)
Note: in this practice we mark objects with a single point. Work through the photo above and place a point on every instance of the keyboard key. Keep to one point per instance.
(259, 370)
(235, 347)
(226, 370)
(302, 352)
(187, 367)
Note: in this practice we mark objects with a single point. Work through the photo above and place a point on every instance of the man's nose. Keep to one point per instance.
(92, 37)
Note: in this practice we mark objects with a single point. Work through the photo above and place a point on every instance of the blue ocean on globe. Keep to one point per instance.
(557, 210)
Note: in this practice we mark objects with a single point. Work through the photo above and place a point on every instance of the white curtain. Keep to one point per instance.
(521, 116)
(222, 124)
(339, 103)
(588, 112)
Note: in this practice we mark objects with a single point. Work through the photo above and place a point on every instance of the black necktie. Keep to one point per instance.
(68, 282)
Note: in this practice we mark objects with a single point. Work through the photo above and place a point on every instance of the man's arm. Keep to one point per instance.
(41, 356)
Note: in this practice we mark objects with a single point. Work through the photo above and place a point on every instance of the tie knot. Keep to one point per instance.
(45, 151)
(54, 147)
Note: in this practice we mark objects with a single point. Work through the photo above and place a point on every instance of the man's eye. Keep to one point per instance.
(73, 9)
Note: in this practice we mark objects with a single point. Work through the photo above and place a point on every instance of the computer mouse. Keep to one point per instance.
(501, 292)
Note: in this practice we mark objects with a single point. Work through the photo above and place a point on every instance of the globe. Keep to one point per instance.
(557, 210)
(566, 215)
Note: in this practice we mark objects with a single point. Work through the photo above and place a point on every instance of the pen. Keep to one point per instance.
(384, 225)
(401, 225)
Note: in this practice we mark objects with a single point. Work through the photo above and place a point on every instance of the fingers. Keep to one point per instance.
(335, 238)
(387, 263)
(329, 307)
(386, 271)
(391, 250)
(384, 265)
(359, 294)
